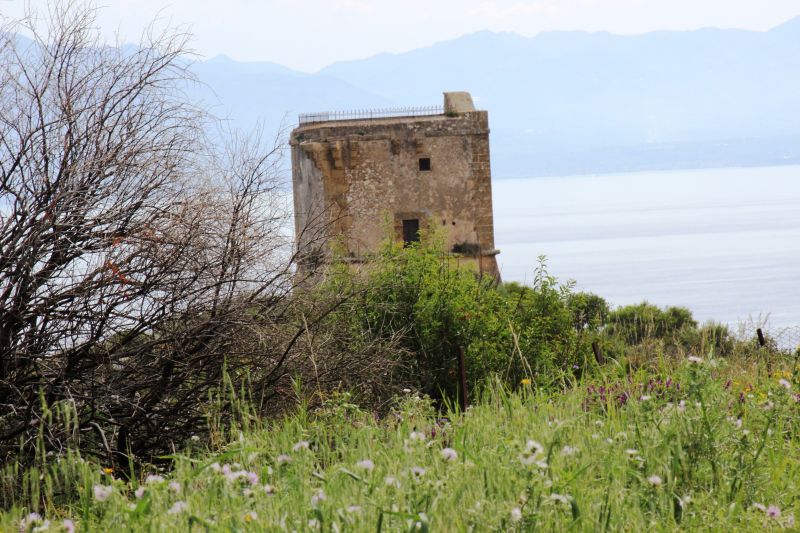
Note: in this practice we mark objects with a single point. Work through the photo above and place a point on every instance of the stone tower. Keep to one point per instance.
(363, 174)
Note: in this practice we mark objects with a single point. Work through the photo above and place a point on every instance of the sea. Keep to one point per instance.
(724, 243)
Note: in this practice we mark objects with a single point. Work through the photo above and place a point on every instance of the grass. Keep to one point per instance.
(705, 446)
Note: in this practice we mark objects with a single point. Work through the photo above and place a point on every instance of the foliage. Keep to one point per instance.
(716, 456)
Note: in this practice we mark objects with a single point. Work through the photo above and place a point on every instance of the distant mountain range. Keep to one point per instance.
(563, 102)
(568, 102)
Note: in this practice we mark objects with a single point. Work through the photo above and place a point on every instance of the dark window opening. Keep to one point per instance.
(425, 164)
(410, 231)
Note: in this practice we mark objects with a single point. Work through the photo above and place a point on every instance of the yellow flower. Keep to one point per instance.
(108, 470)
(526, 381)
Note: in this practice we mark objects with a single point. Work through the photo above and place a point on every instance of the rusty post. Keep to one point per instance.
(761, 340)
(462, 372)
(598, 354)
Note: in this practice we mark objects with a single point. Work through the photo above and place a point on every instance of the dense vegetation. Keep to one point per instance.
(707, 444)
(163, 365)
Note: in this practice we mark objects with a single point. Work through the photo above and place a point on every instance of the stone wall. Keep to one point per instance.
(363, 178)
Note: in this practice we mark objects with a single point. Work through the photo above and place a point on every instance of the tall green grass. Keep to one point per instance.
(703, 446)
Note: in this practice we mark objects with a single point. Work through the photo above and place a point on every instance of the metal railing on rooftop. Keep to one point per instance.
(368, 114)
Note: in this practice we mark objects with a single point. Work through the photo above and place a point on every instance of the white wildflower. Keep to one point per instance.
(417, 436)
(366, 464)
(568, 451)
(449, 454)
(392, 481)
(534, 447)
(102, 492)
(153, 479)
(174, 487)
(516, 514)
(282, 459)
(178, 507)
(301, 445)
(317, 497)
(693, 359)
(655, 480)
(139, 492)
(418, 471)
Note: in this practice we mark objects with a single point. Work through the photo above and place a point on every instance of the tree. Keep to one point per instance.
(135, 254)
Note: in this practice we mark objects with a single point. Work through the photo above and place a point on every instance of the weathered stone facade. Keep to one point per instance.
(364, 177)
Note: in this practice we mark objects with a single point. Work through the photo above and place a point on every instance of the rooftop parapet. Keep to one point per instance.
(454, 103)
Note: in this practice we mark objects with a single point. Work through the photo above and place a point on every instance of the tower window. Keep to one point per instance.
(425, 164)
(410, 231)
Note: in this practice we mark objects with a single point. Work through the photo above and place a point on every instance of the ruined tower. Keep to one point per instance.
(361, 174)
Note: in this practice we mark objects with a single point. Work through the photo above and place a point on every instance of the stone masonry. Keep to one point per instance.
(364, 178)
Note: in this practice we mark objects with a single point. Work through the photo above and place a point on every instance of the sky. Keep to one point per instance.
(309, 34)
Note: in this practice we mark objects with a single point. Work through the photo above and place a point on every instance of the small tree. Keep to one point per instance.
(136, 257)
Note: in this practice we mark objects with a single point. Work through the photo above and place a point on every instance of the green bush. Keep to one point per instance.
(436, 307)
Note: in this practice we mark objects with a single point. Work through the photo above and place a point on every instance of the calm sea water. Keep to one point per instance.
(725, 242)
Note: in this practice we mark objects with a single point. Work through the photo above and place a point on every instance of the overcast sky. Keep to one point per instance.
(309, 34)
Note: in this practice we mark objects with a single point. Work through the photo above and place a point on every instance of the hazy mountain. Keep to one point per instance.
(586, 102)
(562, 102)
(248, 93)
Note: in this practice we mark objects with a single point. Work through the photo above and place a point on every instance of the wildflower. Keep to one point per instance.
(313, 523)
(534, 447)
(654, 480)
(215, 467)
(366, 464)
(768, 405)
(250, 516)
(174, 487)
(631, 452)
(417, 436)
(195, 438)
(354, 509)
(568, 451)
(32, 518)
(773, 511)
(516, 514)
(102, 492)
(318, 496)
(560, 498)
(785, 384)
(282, 459)
(139, 492)
(790, 521)
(449, 454)
(526, 381)
(247, 492)
(418, 471)
(760, 507)
(644, 398)
(108, 470)
(407, 391)
(68, 525)
(302, 445)
(682, 406)
(269, 489)
(178, 507)
(252, 478)
(392, 481)
(693, 359)
(153, 478)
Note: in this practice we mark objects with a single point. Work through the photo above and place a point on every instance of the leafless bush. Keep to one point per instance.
(137, 259)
